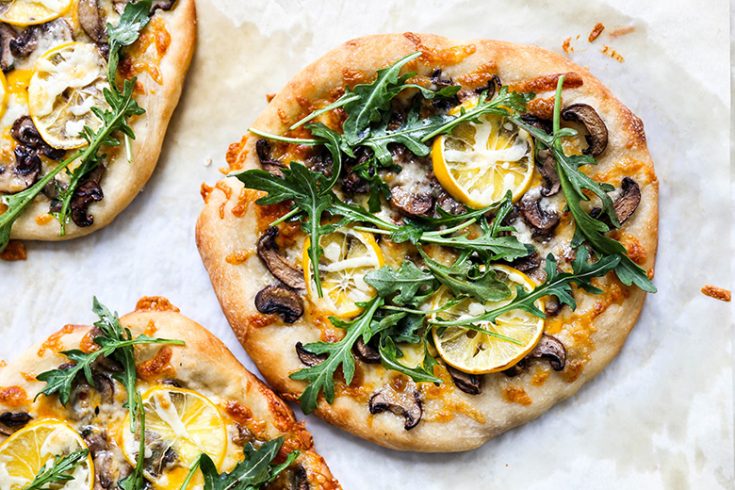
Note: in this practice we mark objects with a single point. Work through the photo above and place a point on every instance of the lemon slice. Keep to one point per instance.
(480, 161)
(475, 352)
(67, 82)
(25, 454)
(179, 426)
(31, 12)
(347, 256)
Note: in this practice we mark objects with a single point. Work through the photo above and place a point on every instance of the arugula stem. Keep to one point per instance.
(334, 105)
(285, 139)
(285, 217)
(448, 231)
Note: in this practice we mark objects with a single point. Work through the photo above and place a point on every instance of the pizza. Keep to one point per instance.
(73, 409)
(428, 242)
(88, 88)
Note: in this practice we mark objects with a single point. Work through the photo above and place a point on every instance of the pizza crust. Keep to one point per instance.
(123, 181)
(204, 364)
(460, 421)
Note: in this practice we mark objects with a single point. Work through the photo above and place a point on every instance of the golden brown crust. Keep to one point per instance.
(123, 181)
(229, 382)
(453, 420)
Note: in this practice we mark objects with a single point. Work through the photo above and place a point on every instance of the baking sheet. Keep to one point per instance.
(660, 416)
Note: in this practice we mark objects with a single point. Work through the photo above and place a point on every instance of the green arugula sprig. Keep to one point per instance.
(114, 120)
(255, 471)
(59, 472)
(574, 183)
(115, 342)
(558, 284)
(320, 377)
(136, 479)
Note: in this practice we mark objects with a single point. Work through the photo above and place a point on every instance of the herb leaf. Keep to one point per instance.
(255, 471)
(390, 353)
(59, 472)
(339, 354)
(466, 279)
(406, 281)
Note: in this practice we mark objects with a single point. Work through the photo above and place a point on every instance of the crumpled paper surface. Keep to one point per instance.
(660, 416)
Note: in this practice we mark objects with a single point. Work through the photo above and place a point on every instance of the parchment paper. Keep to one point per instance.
(660, 416)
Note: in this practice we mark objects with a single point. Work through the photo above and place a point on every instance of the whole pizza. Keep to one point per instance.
(87, 89)
(428, 242)
(137, 403)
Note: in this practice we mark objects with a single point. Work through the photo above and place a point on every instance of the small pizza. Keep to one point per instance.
(87, 89)
(150, 400)
(428, 243)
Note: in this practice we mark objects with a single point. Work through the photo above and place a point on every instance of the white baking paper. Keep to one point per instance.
(659, 417)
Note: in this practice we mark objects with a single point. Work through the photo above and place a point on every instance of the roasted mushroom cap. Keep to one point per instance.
(551, 349)
(308, 358)
(469, 383)
(92, 20)
(299, 479)
(547, 169)
(528, 263)
(628, 200)
(540, 220)
(89, 191)
(281, 301)
(12, 421)
(7, 35)
(406, 404)
(366, 352)
(269, 164)
(162, 5)
(25, 43)
(276, 263)
(596, 129)
(410, 201)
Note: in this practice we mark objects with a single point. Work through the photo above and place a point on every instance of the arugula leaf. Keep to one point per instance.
(136, 479)
(390, 353)
(133, 19)
(59, 472)
(407, 280)
(374, 99)
(557, 284)
(573, 184)
(255, 471)
(339, 354)
(309, 191)
(114, 341)
(464, 278)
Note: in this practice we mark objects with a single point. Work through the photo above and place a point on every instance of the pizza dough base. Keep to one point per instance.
(220, 233)
(122, 181)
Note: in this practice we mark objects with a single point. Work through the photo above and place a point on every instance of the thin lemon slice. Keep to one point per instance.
(476, 352)
(479, 162)
(347, 256)
(32, 12)
(67, 83)
(25, 453)
(179, 426)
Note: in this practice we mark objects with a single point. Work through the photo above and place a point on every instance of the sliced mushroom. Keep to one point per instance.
(299, 479)
(7, 35)
(269, 164)
(492, 85)
(162, 5)
(469, 383)
(24, 132)
(552, 306)
(527, 263)
(88, 192)
(450, 205)
(628, 200)
(540, 220)
(277, 263)
(281, 301)
(596, 130)
(543, 124)
(551, 349)
(410, 202)
(366, 352)
(54, 33)
(308, 358)
(547, 169)
(12, 421)
(406, 404)
(92, 20)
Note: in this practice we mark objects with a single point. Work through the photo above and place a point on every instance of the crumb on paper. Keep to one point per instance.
(607, 50)
(621, 31)
(208, 162)
(716, 292)
(596, 31)
(224, 170)
(567, 46)
(16, 250)
(269, 97)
